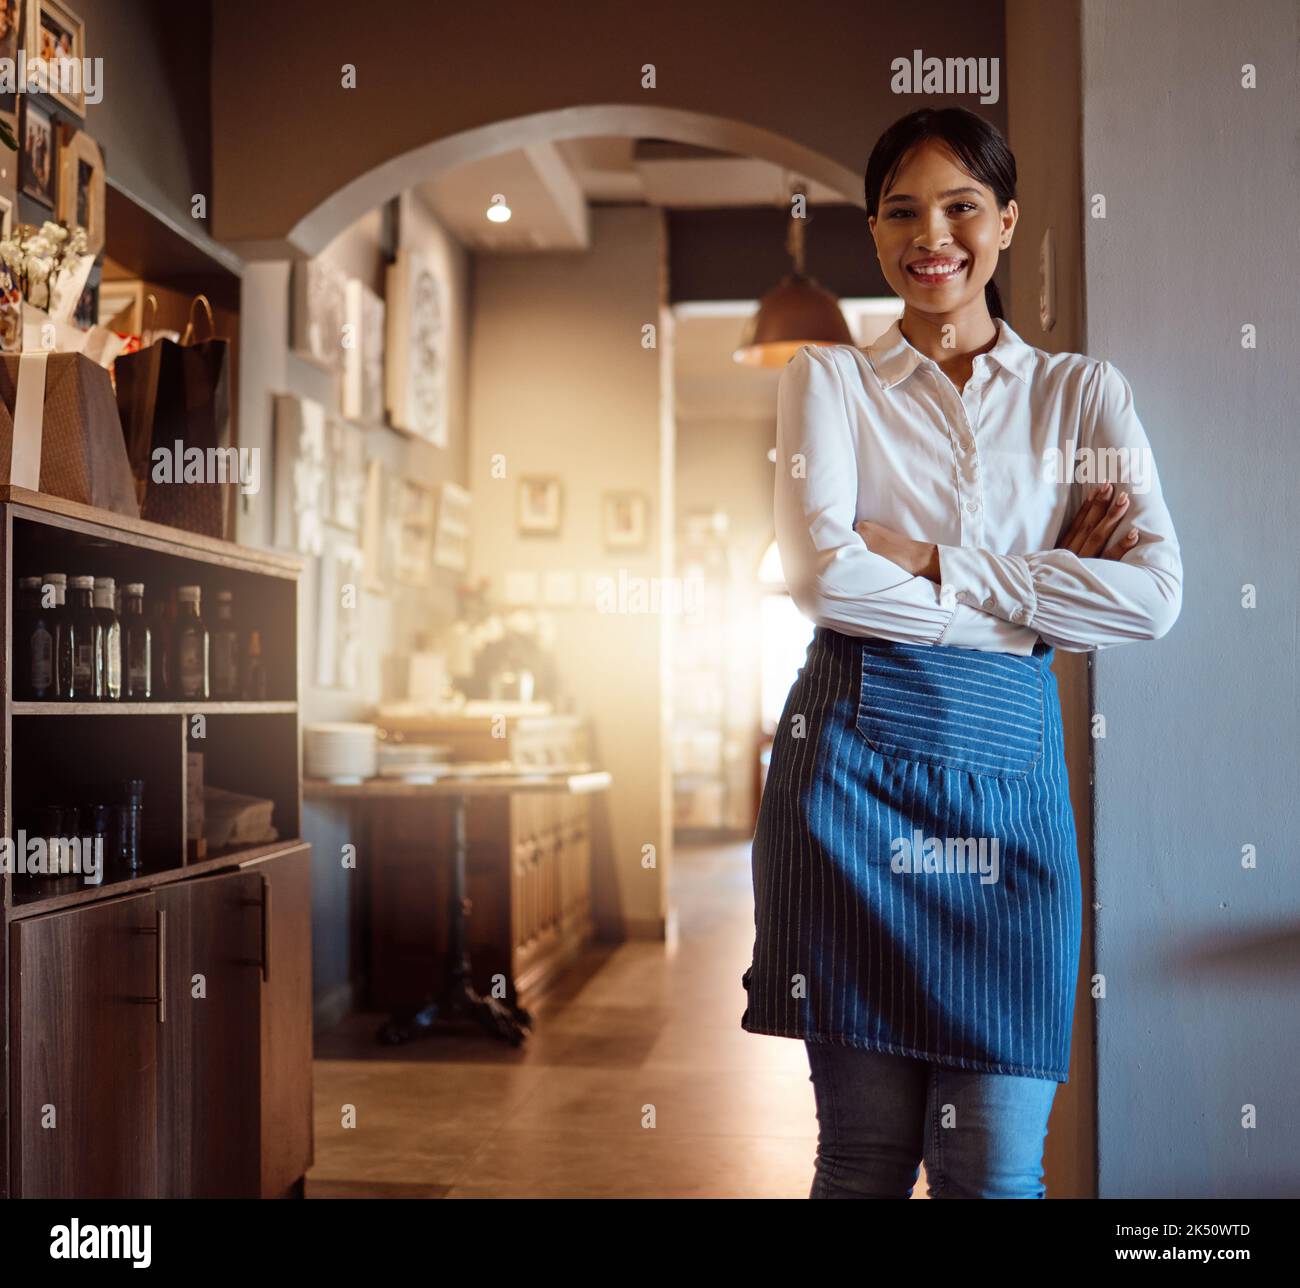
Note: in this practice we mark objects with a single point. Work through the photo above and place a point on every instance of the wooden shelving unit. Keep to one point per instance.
(61, 930)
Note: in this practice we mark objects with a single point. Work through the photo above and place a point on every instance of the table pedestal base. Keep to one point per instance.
(459, 1000)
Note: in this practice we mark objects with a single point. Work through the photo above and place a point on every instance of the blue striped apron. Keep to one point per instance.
(916, 877)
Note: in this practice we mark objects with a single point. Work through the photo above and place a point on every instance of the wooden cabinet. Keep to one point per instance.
(209, 1041)
(284, 1029)
(84, 1054)
(528, 877)
(162, 1042)
(158, 1023)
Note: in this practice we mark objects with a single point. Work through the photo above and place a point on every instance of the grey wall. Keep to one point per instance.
(154, 123)
(1201, 958)
(390, 621)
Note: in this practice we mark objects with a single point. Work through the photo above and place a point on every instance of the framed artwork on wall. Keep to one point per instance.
(10, 22)
(417, 506)
(451, 536)
(60, 36)
(319, 309)
(300, 474)
(415, 369)
(338, 635)
(81, 185)
(379, 527)
(36, 166)
(346, 456)
(362, 388)
(539, 504)
(626, 520)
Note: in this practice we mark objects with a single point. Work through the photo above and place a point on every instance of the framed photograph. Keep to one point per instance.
(361, 391)
(81, 185)
(121, 305)
(11, 14)
(36, 166)
(346, 455)
(60, 43)
(379, 527)
(415, 369)
(626, 517)
(451, 536)
(338, 635)
(372, 357)
(417, 507)
(319, 311)
(539, 504)
(299, 474)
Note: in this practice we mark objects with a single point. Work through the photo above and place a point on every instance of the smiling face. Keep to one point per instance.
(935, 216)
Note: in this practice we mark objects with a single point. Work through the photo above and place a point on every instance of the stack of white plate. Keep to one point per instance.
(342, 753)
(412, 760)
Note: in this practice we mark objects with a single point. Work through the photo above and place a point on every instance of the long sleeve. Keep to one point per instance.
(832, 577)
(1080, 604)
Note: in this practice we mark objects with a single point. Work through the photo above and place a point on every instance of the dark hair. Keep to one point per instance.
(978, 146)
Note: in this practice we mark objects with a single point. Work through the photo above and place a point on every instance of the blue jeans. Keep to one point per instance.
(980, 1134)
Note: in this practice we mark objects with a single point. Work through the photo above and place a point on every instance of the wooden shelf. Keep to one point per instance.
(153, 708)
(64, 892)
(91, 521)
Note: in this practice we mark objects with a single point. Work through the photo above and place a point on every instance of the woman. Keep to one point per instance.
(952, 506)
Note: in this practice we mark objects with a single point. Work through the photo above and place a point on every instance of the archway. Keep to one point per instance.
(315, 230)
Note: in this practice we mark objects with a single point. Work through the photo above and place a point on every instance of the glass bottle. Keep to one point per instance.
(87, 642)
(137, 645)
(225, 649)
(255, 669)
(190, 647)
(159, 649)
(33, 649)
(110, 639)
(54, 590)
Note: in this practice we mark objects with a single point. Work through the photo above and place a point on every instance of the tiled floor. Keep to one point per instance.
(636, 1081)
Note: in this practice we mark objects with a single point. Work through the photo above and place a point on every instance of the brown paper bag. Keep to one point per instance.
(171, 393)
(60, 432)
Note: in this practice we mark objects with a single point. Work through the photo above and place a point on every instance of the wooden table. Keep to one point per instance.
(457, 999)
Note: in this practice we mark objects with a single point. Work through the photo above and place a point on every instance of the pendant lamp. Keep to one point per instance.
(795, 312)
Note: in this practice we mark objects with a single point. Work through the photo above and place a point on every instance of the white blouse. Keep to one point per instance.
(992, 475)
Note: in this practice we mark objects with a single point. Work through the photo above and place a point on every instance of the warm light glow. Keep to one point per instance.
(498, 212)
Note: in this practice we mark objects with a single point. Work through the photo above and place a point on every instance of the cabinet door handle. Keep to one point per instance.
(266, 928)
(159, 928)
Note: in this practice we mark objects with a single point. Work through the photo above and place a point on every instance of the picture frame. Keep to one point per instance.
(300, 474)
(55, 32)
(319, 312)
(417, 508)
(379, 527)
(538, 505)
(452, 535)
(81, 185)
(416, 356)
(339, 614)
(625, 520)
(123, 299)
(361, 389)
(37, 164)
(11, 17)
(346, 463)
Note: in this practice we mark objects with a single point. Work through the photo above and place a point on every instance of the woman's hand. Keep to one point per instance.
(920, 558)
(1096, 521)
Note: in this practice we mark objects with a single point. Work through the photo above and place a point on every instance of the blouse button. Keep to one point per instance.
(972, 506)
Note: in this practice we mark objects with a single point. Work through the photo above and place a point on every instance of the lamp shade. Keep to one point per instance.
(793, 313)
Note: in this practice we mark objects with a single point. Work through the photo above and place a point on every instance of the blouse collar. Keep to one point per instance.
(893, 358)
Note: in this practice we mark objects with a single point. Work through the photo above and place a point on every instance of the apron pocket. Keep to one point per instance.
(958, 708)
